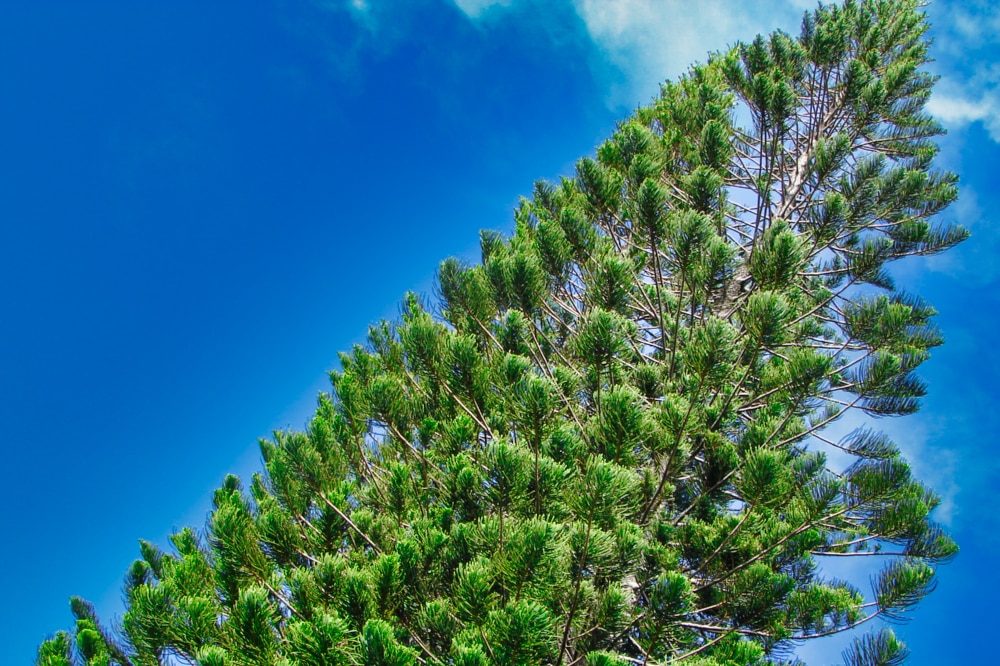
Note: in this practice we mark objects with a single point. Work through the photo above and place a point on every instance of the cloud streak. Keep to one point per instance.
(474, 9)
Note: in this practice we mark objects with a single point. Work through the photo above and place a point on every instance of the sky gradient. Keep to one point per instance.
(203, 203)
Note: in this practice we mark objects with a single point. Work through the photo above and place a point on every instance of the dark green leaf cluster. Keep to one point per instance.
(604, 443)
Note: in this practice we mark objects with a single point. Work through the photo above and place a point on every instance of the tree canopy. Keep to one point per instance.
(605, 443)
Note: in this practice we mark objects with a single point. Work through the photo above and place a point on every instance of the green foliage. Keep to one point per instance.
(607, 448)
(881, 649)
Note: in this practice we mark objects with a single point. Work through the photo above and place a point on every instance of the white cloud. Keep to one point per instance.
(919, 439)
(933, 465)
(957, 109)
(966, 39)
(652, 40)
(476, 8)
(974, 23)
(360, 10)
(960, 100)
(648, 41)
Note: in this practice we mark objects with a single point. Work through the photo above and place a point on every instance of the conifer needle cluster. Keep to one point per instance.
(605, 443)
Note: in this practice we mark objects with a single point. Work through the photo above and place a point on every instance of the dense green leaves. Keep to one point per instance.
(604, 444)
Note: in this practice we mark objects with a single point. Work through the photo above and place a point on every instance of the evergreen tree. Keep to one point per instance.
(604, 444)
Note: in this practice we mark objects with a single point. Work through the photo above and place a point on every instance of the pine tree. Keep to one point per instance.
(604, 444)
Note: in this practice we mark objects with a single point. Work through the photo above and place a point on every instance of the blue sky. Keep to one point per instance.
(203, 202)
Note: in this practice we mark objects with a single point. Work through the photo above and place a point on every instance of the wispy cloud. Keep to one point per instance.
(648, 41)
(959, 109)
(476, 8)
(975, 22)
(961, 98)
(967, 41)
(919, 439)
